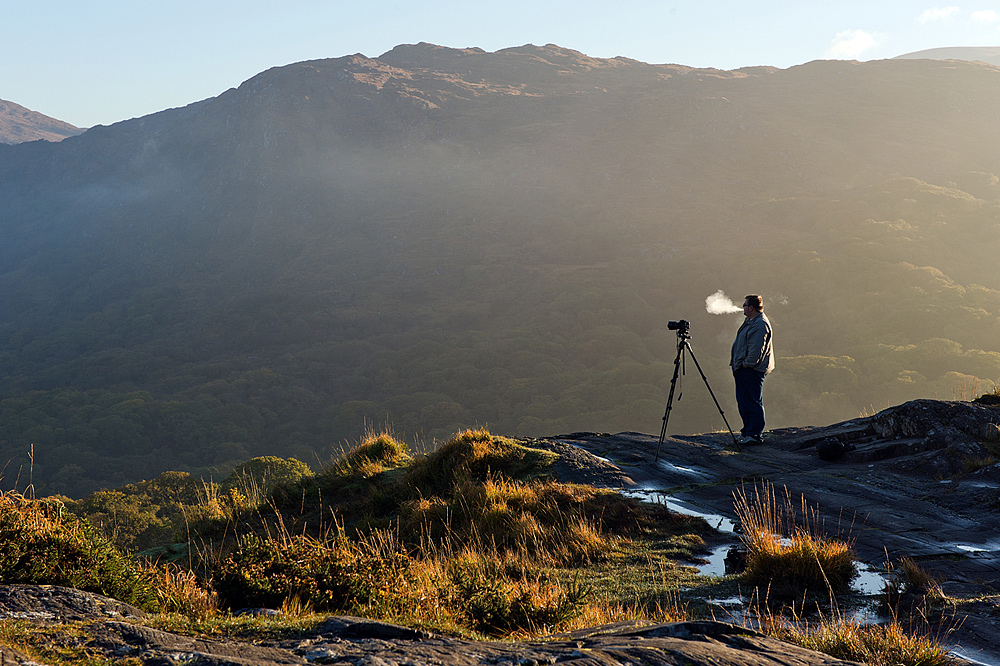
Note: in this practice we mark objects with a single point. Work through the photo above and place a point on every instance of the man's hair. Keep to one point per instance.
(755, 301)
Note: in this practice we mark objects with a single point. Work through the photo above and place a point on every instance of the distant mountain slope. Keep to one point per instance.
(443, 238)
(988, 54)
(18, 124)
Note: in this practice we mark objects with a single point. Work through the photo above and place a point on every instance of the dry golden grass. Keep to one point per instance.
(377, 452)
(554, 523)
(912, 578)
(179, 591)
(888, 644)
(788, 556)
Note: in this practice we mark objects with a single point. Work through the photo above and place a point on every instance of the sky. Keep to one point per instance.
(103, 61)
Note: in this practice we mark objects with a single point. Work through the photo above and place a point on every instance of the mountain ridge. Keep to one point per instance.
(986, 54)
(19, 124)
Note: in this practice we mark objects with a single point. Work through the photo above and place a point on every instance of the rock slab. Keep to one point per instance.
(361, 642)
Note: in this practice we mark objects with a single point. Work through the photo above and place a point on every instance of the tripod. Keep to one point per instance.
(680, 367)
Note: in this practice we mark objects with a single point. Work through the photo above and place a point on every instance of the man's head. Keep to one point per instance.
(752, 304)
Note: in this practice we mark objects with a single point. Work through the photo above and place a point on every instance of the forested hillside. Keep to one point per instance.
(439, 239)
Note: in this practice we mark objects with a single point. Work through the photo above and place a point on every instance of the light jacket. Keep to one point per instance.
(752, 347)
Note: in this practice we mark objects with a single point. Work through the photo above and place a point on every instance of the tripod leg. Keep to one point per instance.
(670, 399)
(712, 393)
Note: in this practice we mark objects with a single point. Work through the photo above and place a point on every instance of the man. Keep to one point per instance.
(751, 360)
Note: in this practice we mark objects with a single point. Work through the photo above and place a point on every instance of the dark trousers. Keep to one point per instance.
(750, 400)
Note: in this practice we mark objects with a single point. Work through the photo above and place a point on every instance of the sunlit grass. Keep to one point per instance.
(787, 554)
(473, 539)
(888, 644)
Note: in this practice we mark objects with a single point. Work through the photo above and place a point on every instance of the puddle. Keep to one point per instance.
(866, 614)
(730, 609)
(716, 565)
(721, 523)
(989, 547)
(728, 601)
(869, 581)
(686, 471)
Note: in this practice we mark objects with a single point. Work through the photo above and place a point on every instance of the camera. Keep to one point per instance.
(682, 326)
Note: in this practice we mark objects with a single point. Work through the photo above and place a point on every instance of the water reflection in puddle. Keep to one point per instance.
(869, 582)
(716, 565)
(717, 521)
(985, 548)
(686, 471)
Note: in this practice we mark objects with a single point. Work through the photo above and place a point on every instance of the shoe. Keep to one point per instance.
(751, 440)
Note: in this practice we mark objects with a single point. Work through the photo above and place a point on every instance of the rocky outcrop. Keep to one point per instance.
(935, 438)
(350, 640)
(958, 421)
(53, 603)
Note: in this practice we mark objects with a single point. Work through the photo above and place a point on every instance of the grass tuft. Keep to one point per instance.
(377, 453)
(888, 644)
(474, 456)
(179, 591)
(787, 555)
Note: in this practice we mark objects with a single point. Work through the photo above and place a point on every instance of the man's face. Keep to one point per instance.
(748, 310)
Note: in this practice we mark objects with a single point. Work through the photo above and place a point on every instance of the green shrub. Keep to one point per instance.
(335, 574)
(255, 477)
(128, 521)
(143, 515)
(495, 605)
(44, 544)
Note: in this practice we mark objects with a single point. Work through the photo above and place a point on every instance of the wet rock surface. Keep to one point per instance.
(920, 480)
(917, 480)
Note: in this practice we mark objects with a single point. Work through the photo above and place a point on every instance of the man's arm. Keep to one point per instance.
(757, 339)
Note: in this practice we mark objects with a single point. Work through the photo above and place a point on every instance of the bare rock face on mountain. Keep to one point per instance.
(18, 124)
(962, 431)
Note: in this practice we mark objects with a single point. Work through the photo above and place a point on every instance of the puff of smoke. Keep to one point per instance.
(718, 303)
